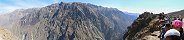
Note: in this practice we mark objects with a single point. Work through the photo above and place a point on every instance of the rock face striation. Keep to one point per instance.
(71, 21)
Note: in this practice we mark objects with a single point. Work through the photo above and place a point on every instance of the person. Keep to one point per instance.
(167, 19)
(174, 18)
(181, 33)
(166, 27)
(183, 20)
(180, 17)
(171, 18)
(177, 24)
(161, 16)
(175, 33)
(172, 34)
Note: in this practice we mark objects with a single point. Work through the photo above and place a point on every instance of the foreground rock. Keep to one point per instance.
(7, 35)
(153, 36)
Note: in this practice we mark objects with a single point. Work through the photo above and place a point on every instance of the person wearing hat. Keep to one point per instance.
(174, 34)
(177, 24)
(166, 27)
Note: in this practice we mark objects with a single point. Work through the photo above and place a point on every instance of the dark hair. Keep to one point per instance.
(181, 32)
(168, 25)
(174, 37)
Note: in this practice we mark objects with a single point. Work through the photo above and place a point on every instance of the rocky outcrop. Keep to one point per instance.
(72, 21)
(142, 27)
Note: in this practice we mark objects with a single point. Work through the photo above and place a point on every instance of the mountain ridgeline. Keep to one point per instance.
(71, 21)
(177, 13)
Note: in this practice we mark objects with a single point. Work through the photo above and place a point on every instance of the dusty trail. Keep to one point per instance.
(153, 36)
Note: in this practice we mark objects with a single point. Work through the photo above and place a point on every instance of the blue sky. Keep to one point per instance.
(134, 6)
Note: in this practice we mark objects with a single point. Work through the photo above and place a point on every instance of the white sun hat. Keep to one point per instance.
(172, 32)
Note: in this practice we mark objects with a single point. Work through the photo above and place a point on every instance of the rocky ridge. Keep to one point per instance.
(71, 21)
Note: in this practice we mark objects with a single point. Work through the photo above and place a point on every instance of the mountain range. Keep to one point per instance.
(68, 21)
